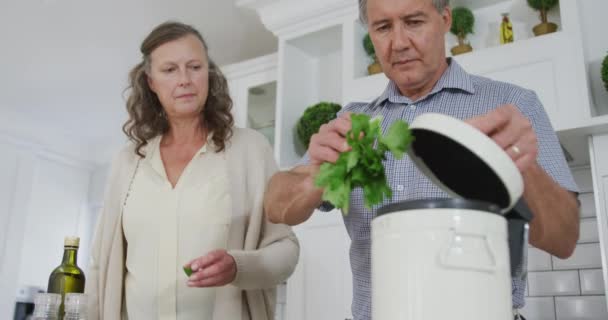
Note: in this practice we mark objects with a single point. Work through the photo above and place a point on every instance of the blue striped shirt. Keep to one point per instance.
(462, 96)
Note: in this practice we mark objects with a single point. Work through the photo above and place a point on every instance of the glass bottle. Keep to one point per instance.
(67, 277)
(75, 306)
(506, 29)
(46, 306)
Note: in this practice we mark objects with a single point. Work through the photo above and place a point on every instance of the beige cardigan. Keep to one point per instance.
(265, 253)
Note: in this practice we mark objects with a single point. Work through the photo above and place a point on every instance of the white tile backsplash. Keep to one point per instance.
(586, 256)
(587, 205)
(573, 288)
(539, 309)
(588, 231)
(592, 282)
(582, 307)
(554, 283)
(538, 260)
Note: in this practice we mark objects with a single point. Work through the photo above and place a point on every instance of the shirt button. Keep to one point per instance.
(400, 187)
(413, 107)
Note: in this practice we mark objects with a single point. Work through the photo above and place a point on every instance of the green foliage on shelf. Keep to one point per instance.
(540, 5)
(605, 72)
(463, 21)
(369, 46)
(313, 118)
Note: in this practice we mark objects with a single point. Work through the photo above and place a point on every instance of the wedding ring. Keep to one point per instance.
(515, 150)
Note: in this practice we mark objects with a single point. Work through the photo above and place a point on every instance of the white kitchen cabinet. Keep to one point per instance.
(321, 57)
(599, 167)
(321, 286)
(252, 85)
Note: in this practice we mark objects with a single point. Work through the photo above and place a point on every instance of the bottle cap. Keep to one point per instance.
(71, 242)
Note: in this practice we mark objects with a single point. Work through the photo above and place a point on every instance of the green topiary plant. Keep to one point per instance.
(463, 21)
(605, 72)
(369, 47)
(313, 118)
(543, 6)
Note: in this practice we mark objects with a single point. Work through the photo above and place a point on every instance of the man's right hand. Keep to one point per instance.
(291, 196)
(327, 144)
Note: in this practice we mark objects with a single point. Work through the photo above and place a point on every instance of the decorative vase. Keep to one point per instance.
(544, 28)
(374, 68)
(461, 48)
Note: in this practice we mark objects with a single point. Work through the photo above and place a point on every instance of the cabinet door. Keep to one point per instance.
(599, 168)
(321, 286)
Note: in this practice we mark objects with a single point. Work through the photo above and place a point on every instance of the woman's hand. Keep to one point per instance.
(215, 269)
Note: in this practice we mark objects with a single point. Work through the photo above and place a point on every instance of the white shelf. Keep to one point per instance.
(261, 109)
(311, 73)
(320, 43)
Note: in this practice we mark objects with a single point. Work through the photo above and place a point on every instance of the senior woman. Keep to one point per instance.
(186, 192)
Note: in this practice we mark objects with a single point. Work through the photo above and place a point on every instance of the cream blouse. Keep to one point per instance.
(166, 227)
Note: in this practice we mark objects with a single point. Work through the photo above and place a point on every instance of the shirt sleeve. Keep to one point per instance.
(551, 156)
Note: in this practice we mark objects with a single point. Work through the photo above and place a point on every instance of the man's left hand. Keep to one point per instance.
(511, 131)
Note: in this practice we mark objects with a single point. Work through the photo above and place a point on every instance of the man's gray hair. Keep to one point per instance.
(438, 4)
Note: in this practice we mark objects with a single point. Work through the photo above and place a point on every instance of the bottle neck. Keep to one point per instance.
(70, 255)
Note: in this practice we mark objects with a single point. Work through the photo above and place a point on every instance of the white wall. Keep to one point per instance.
(43, 198)
(58, 201)
(16, 166)
(571, 288)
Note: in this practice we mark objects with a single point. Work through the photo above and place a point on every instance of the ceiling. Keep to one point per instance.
(64, 63)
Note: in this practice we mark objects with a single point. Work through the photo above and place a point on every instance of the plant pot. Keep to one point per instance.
(544, 28)
(461, 48)
(374, 68)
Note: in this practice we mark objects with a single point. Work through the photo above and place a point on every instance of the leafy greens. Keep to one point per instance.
(362, 165)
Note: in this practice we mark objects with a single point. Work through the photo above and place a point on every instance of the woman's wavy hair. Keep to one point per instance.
(147, 118)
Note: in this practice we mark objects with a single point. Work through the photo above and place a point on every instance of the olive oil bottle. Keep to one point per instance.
(67, 277)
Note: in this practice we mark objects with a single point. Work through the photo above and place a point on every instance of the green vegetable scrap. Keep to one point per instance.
(188, 271)
(362, 165)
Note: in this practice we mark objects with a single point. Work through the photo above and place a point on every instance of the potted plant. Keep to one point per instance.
(543, 6)
(371, 52)
(313, 118)
(462, 24)
(605, 72)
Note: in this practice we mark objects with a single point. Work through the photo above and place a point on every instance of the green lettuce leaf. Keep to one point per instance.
(362, 165)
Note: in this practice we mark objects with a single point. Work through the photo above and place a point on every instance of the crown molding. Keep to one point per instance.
(252, 66)
(283, 17)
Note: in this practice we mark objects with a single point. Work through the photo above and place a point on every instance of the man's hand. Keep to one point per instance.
(327, 144)
(511, 131)
(215, 269)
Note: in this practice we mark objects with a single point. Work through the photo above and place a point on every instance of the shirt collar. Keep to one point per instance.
(153, 157)
(454, 77)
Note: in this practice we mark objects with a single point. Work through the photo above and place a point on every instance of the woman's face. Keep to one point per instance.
(179, 75)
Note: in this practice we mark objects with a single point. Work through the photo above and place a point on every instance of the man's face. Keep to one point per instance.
(409, 38)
